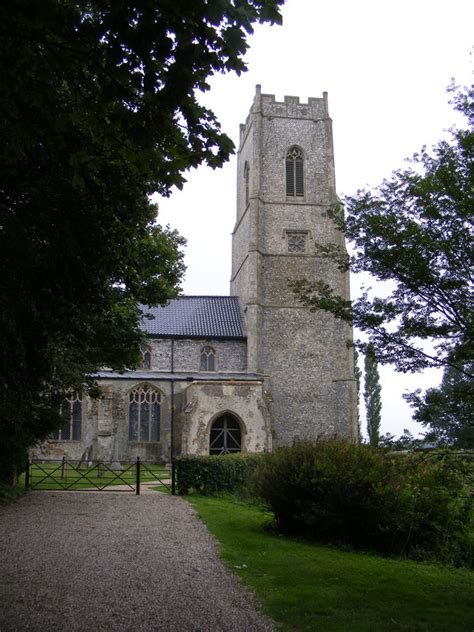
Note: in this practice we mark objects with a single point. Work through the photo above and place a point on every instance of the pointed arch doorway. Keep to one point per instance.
(226, 435)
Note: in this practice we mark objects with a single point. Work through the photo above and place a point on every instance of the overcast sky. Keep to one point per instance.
(386, 66)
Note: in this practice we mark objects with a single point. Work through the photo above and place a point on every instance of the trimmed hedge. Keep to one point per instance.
(338, 493)
(212, 474)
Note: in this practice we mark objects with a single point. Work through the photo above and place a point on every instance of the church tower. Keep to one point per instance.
(285, 182)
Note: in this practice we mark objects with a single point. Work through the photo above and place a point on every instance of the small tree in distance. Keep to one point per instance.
(372, 391)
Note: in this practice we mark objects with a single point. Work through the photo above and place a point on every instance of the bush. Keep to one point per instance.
(354, 495)
(212, 474)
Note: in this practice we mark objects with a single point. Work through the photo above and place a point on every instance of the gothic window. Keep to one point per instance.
(294, 172)
(246, 178)
(71, 412)
(146, 358)
(297, 242)
(208, 359)
(226, 436)
(144, 414)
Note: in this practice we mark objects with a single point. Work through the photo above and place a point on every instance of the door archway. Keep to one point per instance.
(225, 436)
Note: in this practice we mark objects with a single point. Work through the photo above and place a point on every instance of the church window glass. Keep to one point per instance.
(71, 412)
(225, 436)
(144, 414)
(296, 242)
(208, 359)
(294, 172)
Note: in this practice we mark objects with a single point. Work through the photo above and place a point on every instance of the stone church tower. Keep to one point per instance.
(285, 182)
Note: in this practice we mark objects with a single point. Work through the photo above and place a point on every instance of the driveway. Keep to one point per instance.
(115, 561)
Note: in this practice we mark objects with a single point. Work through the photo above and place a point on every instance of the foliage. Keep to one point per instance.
(372, 390)
(212, 474)
(448, 411)
(98, 110)
(345, 494)
(357, 375)
(415, 231)
(303, 586)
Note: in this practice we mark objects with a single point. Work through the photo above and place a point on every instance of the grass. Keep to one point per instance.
(307, 587)
(8, 493)
(48, 476)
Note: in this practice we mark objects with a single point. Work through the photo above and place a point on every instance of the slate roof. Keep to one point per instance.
(196, 317)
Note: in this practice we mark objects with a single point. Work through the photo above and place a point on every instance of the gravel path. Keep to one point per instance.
(74, 561)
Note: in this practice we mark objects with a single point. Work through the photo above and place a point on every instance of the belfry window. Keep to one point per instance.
(71, 412)
(144, 414)
(294, 172)
(208, 359)
(226, 436)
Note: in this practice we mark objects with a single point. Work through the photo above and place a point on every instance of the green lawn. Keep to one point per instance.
(49, 476)
(308, 587)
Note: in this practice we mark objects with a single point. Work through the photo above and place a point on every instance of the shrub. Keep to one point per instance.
(212, 474)
(354, 495)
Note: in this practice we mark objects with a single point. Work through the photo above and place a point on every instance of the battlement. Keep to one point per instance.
(316, 108)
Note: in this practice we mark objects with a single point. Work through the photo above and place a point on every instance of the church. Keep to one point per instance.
(253, 370)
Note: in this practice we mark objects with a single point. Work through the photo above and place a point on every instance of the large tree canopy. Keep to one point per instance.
(415, 231)
(98, 110)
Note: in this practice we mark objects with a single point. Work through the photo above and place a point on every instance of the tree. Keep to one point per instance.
(98, 110)
(372, 390)
(448, 411)
(357, 375)
(414, 231)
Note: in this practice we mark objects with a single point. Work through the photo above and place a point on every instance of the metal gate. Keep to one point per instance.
(118, 476)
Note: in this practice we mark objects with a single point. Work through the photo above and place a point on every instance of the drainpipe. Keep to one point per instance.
(173, 485)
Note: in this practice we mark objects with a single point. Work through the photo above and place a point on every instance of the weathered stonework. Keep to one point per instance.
(289, 373)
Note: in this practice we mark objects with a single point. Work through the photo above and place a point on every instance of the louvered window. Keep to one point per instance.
(144, 414)
(71, 412)
(294, 172)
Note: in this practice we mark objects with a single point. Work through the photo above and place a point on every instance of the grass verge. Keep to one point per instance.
(308, 587)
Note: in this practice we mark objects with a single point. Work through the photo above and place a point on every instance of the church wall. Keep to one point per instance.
(231, 355)
(206, 401)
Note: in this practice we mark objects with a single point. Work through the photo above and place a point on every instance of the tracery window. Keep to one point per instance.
(225, 436)
(71, 412)
(294, 172)
(146, 358)
(208, 359)
(297, 242)
(144, 413)
(246, 178)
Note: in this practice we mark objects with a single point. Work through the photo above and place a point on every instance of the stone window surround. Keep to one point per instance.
(207, 352)
(295, 231)
(71, 400)
(152, 388)
(301, 197)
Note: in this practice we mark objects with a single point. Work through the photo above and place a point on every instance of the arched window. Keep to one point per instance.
(71, 412)
(246, 178)
(226, 436)
(146, 358)
(294, 172)
(208, 359)
(144, 413)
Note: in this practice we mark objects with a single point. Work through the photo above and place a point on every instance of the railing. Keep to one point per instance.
(72, 475)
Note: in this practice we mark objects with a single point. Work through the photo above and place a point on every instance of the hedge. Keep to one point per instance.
(212, 474)
(353, 495)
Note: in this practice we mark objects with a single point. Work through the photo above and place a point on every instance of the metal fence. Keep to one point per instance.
(118, 476)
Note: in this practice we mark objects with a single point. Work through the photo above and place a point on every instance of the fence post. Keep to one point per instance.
(173, 476)
(138, 476)
(64, 469)
(27, 472)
